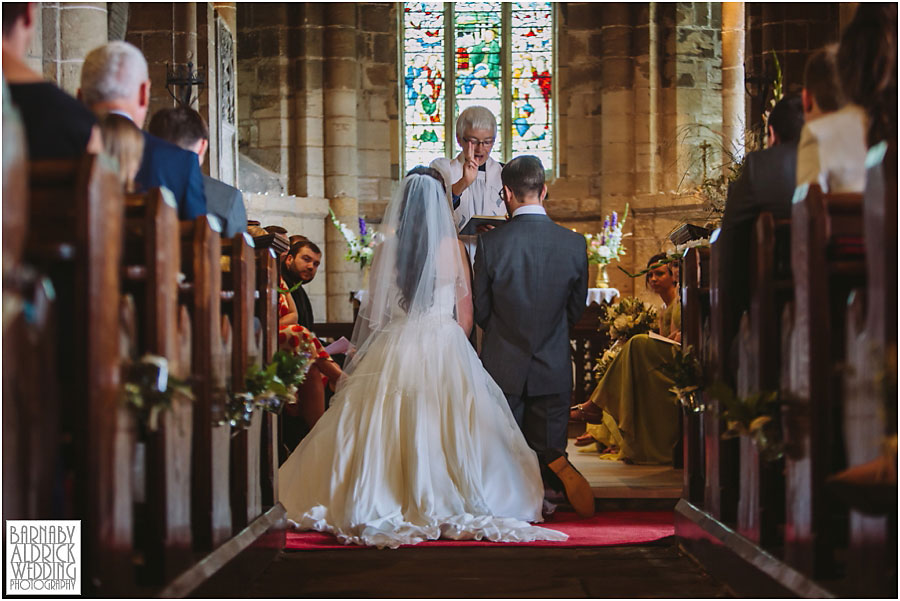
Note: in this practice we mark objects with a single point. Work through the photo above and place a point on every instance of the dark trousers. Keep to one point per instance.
(544, 420)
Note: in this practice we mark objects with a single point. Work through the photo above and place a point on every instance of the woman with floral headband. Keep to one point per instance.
(632, 412)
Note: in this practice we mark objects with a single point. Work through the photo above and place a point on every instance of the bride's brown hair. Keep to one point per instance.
(411, 238)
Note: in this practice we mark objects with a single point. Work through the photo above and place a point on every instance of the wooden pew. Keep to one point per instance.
(79, 207)
(240, 281)
(871, 341)
(761, 499)
(827, 262)
(720, 496)
(151, 262)
(695, 303)
(267, 313)
(210, 499)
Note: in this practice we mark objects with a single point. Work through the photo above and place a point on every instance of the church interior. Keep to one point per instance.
(141, 337)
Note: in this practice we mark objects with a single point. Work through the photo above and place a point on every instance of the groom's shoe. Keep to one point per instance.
(578, 491)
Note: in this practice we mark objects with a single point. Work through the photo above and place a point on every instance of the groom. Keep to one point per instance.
(530, 288)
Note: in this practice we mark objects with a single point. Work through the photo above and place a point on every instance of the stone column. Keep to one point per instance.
(733, 95)
(69, 31)
(340, 97)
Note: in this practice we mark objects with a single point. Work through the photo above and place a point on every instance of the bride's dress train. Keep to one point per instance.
(418, 444)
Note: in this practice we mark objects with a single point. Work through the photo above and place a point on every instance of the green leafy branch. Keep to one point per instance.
(148, 389)
(752, 416)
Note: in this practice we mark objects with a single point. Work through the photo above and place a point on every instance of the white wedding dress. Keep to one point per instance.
(419, 442)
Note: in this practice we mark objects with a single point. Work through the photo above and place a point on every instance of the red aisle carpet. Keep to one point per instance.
(605, 529)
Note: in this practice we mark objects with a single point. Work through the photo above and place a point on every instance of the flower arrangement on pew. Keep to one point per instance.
(269, 388)
(606, 246)
(148, 388)
(624, 319)
(686, 374)
(753, 416)
(359, 248)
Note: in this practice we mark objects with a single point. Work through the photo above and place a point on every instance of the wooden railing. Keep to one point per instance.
(828, 362)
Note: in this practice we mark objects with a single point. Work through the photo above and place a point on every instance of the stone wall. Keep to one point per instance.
(298, 215)
(69, 30)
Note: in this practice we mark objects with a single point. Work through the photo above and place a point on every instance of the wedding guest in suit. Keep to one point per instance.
(634, 412)
(185, 128)
(766, 183)
(56, 125)
(114, 79)
(123, 141)
(299, 266)
(832, 149)
(473, 176)
(530, 289)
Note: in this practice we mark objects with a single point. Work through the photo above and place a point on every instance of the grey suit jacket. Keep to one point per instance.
(531, 279)
(227, 203)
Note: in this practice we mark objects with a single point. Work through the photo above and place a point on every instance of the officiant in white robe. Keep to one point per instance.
(472, 178)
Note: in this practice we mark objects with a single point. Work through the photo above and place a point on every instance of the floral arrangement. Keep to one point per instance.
(628, 317)
(606, 359)
(606, 246)
(359, 248)
(686, 374)
(268, 388)
(148, 389)
(752, 416)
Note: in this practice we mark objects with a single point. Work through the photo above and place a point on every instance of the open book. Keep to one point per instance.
(656, 336)
(477, 220)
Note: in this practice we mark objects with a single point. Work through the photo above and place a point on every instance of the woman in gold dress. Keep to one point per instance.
(632, 411)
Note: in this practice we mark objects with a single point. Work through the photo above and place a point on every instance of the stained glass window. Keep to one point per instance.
(497, 55)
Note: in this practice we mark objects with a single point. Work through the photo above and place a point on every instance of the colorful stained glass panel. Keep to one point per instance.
(531, 82)
(477, 64)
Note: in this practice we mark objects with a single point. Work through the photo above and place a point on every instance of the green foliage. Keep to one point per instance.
(754, 416)
(148, 389)
(684, 370)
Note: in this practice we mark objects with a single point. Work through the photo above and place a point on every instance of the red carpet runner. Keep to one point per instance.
(605, 529)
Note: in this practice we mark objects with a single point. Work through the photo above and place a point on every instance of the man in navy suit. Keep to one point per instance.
(114, 79)
(185, 128)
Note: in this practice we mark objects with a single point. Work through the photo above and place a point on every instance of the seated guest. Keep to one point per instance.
(867, 65)
(832, 149)
(299, 266)
(114, 80)
(185, 128)
(56, 125)
(632, 406)
(766, 183)
(291, 338)
(123, 141)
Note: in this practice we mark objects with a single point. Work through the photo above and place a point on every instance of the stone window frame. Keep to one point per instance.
(450, 145)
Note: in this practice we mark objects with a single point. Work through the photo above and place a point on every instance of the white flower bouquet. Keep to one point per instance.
(606, 246)
(628, 317)
(359, 248)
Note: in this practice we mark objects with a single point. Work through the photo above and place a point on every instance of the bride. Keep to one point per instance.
(419, 442)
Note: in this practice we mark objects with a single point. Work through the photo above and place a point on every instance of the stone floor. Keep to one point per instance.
(618, 480)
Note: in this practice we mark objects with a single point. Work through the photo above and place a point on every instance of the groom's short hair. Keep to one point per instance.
(524, 176)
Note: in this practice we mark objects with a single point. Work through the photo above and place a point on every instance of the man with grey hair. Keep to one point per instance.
(114, 79)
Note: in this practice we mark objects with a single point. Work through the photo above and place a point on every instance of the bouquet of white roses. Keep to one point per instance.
(359, 248)
(606, 359)
(628, 317)
(602, 248)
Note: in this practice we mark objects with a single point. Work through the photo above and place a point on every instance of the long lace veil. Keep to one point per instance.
(417, 271)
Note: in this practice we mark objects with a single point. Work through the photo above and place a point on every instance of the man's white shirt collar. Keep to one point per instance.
(530, 210)
(121, 114)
